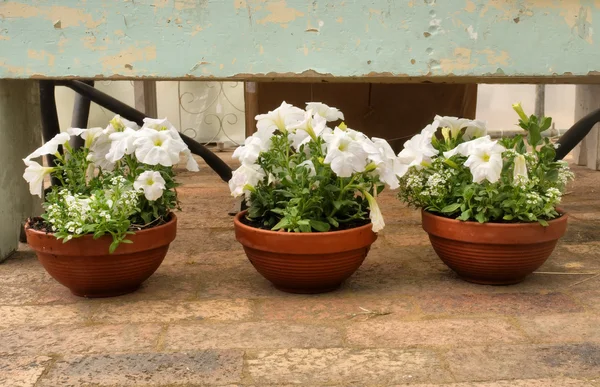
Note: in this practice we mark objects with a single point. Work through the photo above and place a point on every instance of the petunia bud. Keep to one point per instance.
(520, 168)
(446, 133)
(370, 167)
(519, 109)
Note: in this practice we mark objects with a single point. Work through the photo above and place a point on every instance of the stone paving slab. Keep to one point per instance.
(214, 367)
(207, 318)
(346, 366)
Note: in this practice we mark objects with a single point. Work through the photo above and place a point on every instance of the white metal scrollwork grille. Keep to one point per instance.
(212, 112)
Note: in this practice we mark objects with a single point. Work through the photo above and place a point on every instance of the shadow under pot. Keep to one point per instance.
(297, 262)
(85, 266)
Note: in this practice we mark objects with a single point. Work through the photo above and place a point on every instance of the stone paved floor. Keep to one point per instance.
(207, 318)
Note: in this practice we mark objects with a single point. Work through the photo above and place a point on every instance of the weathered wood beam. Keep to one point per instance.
(296, 40)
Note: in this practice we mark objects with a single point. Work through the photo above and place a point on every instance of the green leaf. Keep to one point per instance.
(466, 215)
(480, 217)
(333, 222)
(283, 223)
(546, 123)
(543, 222)
(113, 246)
(304, 228)
(535, 136)
(552, 175)
(451, 208)
(319, 226)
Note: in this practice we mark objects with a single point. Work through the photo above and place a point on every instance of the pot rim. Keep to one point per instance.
(238, 223)
(523, 233)
(172, 218)
(303, 243)
(86, 245)
(563, 215)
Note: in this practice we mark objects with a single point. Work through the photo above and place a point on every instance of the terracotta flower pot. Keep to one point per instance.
(85, 267)
(305, 262)
(493, 253)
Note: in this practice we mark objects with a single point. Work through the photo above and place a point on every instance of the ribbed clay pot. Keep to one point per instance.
(493, 253)
(305, 262)
(85, 267)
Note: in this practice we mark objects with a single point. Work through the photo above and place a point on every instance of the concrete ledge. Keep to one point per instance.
(20, 134)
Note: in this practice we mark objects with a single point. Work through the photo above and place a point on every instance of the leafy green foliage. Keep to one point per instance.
(98, 202)
(446, 185)
(293, 197)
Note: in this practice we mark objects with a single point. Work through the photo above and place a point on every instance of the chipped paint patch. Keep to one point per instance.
(128, 56)
(472, 33)
(42, 56)
(89, 42)
(280, 13)
(460, 62)
(495, 58)
(68, 16)
(470, 7)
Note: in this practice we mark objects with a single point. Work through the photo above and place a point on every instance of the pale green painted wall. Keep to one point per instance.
(344, 38)
(20, 134)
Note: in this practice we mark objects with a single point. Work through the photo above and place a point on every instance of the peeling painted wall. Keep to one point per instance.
(406, 39)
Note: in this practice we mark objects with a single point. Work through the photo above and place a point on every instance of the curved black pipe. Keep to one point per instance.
(126, 111)
(50, 125)
(576, 134)
(81, 114)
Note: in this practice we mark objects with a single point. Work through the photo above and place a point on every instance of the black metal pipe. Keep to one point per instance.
(126, 111)
(50, 125)
(80, 117)
(576, 134)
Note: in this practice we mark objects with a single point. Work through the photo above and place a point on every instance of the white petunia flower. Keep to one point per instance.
(121, 144)
(308, 164)
(157, 147)
(311, 127)
(191, 163)
(51, 147)
(152, 183)
(76, 131)
(119, 124)
(243, 177)
(280, 118)
(329, 113)
(464, 149)
(90, 135)
(419, 149)
(253, 145)
(389, 167)
(100, 146)
(161, 125)
(473, 128)
(345, 153)
(485, 161)
(34, 175)
(374, 213)
(520, 171)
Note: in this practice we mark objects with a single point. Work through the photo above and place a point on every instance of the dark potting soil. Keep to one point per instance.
(39, 224)
(343, 226)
